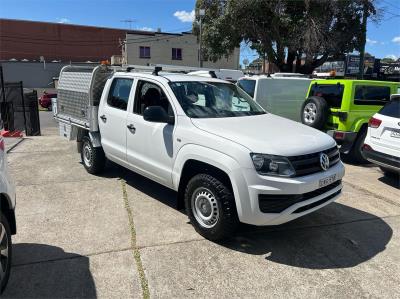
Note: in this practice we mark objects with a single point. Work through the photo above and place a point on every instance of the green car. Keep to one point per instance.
(343, 108)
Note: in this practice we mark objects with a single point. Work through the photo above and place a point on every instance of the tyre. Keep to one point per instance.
(211, 208)
(314, 112)
(5, 251)
(355, 153)
(93, 158)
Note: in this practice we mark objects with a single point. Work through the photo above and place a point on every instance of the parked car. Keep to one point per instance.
(7, 218)
(343, 108)
(45, 100)
(382, 144)
(229, 164)
(282, 94)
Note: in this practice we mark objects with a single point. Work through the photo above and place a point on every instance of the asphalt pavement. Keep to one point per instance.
(119, 235)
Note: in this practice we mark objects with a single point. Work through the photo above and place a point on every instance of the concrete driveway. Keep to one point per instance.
(119, 236)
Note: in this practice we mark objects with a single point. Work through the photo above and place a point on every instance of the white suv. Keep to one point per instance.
(7, 217)
(382, 143)
(229, 160)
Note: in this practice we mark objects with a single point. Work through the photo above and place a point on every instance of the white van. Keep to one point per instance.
(278, 94)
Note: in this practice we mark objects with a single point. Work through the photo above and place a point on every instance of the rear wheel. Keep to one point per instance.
(314, 112)
(5, 252)
(211, 208)
(93, 158)
(355, 153)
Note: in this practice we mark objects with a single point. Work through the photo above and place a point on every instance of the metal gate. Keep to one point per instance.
(19, 108)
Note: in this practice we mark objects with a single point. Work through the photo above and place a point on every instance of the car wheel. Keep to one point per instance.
(93, 158)
(314, 112)
(211, 208)
(5, 252)
(355, 153)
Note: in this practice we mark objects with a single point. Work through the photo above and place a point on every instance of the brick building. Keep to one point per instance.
(29, 40)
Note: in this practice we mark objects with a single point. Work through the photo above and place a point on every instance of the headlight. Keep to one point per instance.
(272, 165)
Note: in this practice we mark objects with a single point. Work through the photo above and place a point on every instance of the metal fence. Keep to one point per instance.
(19, 108)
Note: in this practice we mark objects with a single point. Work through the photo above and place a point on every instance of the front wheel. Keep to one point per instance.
(93, 158)
(211, 208)
(5, 252)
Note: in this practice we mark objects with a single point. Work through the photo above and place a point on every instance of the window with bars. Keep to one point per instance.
(144, 52)
(176, 54)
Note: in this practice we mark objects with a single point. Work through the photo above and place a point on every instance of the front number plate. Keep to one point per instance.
(327, 181)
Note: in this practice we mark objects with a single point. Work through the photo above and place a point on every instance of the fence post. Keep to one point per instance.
(37, 112)
(23, 105)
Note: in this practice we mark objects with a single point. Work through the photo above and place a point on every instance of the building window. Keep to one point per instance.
(176, 54)
(144, 52)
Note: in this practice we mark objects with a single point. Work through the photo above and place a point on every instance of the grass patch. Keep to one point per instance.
(136, 252)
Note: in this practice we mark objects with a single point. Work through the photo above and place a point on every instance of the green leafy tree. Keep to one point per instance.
(304, 33)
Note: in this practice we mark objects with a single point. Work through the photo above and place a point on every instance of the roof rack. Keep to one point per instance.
(156, 68)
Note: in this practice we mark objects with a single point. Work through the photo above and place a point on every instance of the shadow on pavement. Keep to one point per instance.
(318, 241)
(43, 271)
(157, 191)
(391, 180)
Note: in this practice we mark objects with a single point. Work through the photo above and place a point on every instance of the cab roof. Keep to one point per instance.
(170, 77)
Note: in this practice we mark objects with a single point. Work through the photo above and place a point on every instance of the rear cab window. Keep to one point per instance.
(118, 95)
(332, 93)
(248, 86)
(371, 95)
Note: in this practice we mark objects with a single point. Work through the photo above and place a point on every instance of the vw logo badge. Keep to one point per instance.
(324, 161)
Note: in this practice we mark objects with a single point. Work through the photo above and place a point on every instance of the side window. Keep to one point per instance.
(150, 94)
(371, 95)
(118, 95)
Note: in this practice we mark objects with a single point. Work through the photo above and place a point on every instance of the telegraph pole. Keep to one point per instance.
(202, 12)
(363, 39)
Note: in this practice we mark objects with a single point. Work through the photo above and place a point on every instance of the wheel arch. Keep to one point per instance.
(8, 212)
(196, 159)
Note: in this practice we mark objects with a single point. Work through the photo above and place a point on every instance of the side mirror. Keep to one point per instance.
(157, 114)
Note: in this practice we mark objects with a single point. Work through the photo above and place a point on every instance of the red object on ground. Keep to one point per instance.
(6, 133)
(45, 99)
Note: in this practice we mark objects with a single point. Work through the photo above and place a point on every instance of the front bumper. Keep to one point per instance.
(344, 139)
(303, 189)
(381, 159)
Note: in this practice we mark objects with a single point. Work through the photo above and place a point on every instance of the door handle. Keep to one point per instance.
(103, 118)
(131, 128)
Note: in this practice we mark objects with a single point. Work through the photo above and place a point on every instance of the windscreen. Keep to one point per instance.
(391, 109)
(248, 86)
(332, 93)
(214, 99)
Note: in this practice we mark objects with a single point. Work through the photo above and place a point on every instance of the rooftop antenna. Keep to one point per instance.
(128, 21)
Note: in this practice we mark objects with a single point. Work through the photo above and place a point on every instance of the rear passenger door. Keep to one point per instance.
(112, 118)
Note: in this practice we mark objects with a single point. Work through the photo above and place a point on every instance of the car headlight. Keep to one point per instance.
(272, 165)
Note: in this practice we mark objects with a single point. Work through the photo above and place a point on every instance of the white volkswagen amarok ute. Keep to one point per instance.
(229, 160)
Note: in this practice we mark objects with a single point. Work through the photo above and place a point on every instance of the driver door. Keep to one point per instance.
(150, 145)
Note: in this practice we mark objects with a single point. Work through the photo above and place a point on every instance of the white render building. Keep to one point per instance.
(143, 48)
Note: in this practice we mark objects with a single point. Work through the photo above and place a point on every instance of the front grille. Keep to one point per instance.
(271, 203)
(308, 164)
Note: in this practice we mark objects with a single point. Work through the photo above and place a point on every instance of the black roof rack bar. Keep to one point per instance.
(156, 70)
(212, 74)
